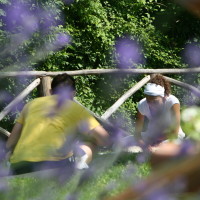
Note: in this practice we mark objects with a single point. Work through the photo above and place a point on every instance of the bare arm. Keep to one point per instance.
(176, 113)
(14, 136)
(139, 125)
(100, 136)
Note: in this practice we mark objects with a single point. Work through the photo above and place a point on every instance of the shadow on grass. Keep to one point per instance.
(118, 158)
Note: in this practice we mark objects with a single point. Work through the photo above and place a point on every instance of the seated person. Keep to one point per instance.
(162, 110)
(45, 134)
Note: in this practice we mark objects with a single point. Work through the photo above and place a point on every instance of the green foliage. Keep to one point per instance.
(191, 122)
(161, 28)
(112, 181)
(94, 30)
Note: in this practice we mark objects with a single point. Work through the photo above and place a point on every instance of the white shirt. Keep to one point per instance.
(168, 117)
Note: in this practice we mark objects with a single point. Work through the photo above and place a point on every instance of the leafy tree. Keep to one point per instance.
(87, 34)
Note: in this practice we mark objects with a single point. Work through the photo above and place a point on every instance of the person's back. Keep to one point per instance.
(47, 128)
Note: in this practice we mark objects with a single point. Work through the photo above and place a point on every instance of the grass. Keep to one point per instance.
(108, 179)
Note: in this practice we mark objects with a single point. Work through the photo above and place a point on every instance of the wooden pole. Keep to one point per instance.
(19, 98)
(5, 132)
(101, 71)
(185, 85)
(45, 86)
(124, 97)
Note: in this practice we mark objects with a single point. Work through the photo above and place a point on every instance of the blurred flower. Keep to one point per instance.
(19, 18)
(46, 20)
(143, 157)
(5, 97)
(190, 114)
(83, 127)
(191, 122)
(68, 1)
(128, 53)
(63, 96)
(192, 54)
(62, 171)
(159, 192)
(4, 187)
(116, 135)
(186, 148)
(2, 150)
(30, 23)
(108, 188)
(72, 197)
(129, 173)
(62, 39)
(4, 170)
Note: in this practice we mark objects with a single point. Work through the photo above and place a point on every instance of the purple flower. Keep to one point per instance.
(24, 18)
(47, 20)
(19, 18)
(14, 14)
(159, 194)
(83, 127)
(4, 170)
(86, 176)
(143, 157)
(116, 138)
(68, 1)
(165, 192)
(186, 148)
(62, 39)
(61, 170)
(106, 191)
(128, 174)
(30, 23)
(191, 54)
(5, 97)
(128, 53)
(64, 94)
(4, 187)
(72, 197)
(2, 150)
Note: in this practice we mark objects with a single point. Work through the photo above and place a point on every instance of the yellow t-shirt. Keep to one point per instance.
(48, 129)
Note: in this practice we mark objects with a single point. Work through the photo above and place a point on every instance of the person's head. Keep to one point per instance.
(63, 83)
(156, 90)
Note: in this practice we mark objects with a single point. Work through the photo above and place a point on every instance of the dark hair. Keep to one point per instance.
(62, 80)
(162, 81)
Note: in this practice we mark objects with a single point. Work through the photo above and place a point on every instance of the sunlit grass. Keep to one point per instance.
(111, 181)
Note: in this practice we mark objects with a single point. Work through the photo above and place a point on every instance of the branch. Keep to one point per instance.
(100, 71)
(124, 97)
(5, 132)
(185, 85)
(19, 98)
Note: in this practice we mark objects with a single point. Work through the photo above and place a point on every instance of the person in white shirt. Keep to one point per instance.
(162, 111)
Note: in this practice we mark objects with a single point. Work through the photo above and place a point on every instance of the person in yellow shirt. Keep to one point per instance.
(46, 133)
